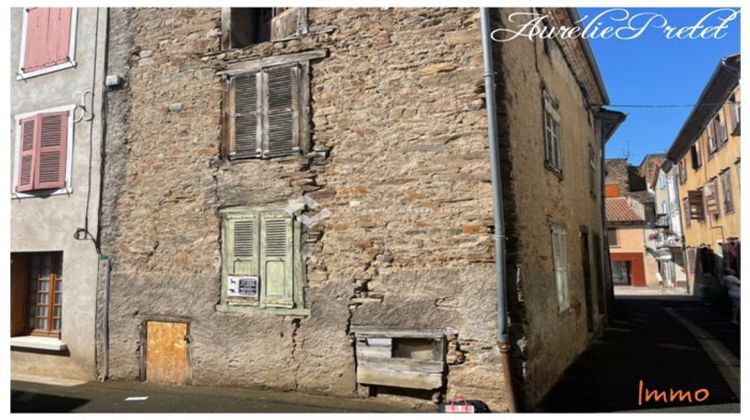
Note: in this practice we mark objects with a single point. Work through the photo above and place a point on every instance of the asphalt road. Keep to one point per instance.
(643, 342)
(112, 397)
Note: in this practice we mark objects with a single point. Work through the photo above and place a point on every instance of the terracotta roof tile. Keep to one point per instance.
(619, 211)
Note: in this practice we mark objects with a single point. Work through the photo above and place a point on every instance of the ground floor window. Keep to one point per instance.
(36, 294)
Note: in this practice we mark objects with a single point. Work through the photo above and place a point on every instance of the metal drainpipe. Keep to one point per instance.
(503, 338)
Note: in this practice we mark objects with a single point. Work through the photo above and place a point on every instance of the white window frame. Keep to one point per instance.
(561, 269)
(71, 48)
(68, 189)
(552, 138)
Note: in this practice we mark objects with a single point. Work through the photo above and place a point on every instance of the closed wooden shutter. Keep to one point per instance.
(277, 261)
(282, 96)
(26, 155)
(247, 118)
(58, 45)
(47, 37)
(243, 244)
(50, 154)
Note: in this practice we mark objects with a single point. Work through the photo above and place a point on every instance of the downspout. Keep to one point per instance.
(503, 338)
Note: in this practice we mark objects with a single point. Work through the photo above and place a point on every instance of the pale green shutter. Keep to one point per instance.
(241, 245)
(276, 261)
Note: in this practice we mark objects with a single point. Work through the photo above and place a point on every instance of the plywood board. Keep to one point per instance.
(166, 352)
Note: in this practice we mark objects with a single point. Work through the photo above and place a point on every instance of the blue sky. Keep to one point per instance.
(654, 70)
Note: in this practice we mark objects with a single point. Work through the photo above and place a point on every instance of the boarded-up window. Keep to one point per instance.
(265, 112)
(264, 244)
(47, 38)
(42, 152)
(560, 265)
(726, 190)
(552, 146)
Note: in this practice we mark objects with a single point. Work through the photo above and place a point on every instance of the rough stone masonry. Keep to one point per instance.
(399, 157)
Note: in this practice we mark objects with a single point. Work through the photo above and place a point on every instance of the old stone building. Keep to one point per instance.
(307, 205)
(56, 79)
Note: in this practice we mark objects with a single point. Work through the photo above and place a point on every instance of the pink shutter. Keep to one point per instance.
(47, 37)
(26, 155)
(51, 153)
(58, 35)
(37, 26)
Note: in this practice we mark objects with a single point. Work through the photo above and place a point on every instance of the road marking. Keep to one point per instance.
(136, 399)
(727, 364)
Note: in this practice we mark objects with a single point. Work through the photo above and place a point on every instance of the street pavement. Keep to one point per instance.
(659, 340)
(128, 397)
(645, 342)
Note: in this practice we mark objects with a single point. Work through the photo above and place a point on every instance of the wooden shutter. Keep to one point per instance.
(277, 261)
(712, 198)
(726, 185)
(58, 43)
(247, 120)
(281, 105)
(242, 246)
(26, 155)
(47, 37)
(695, 201)
(50, 155)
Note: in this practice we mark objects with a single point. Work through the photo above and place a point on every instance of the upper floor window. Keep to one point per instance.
(734, 113)
(43, 146)
(242, 27)
(726, 190)
(682, 171)
(717, 133)
(711, 199)
(48, 40)
(592, 171)
(552, 147)
(267, 106)
(695, 156)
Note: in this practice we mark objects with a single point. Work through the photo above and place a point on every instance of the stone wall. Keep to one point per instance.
(546, 341)
(399, 158)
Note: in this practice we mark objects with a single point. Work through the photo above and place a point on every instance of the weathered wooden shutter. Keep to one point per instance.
(281, 122)
(26, 155)
(242, 244)
(247, 118)
(47, 37)
(712, 198)
(277, 261)
(51, 153)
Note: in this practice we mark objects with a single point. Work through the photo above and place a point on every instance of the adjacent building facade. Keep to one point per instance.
(301, 199)
(57, 63)
(706, 157)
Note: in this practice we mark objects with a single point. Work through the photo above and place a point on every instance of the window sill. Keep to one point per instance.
(42, 193)
(245, 309)
(23, 76)
(556, 171)
(38, 343)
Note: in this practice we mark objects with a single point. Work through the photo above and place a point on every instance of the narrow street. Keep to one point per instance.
(133, 397)
(645, 341)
